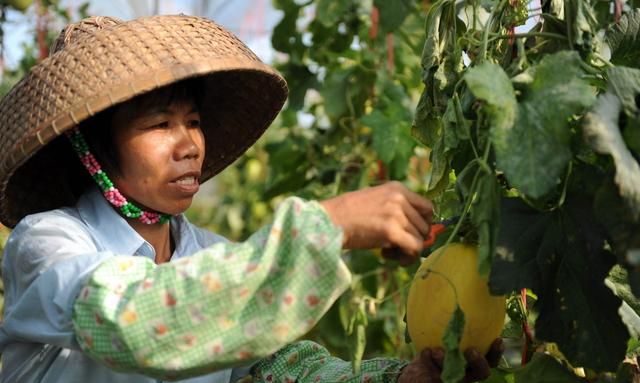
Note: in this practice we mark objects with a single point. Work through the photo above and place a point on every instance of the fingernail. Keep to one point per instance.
(473, 353)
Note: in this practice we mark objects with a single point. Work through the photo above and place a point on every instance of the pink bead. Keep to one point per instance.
(114, 197)
(90, 163)
(149, 218)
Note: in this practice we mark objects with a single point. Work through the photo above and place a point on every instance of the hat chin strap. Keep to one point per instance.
(110, 192)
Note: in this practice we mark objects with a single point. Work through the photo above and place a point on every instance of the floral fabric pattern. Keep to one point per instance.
(229, 304)
(308, 362)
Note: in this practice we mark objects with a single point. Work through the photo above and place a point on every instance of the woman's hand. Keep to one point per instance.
(427, 367)
(385, 216)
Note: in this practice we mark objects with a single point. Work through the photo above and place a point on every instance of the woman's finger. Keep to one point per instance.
(431, 365)
(396, 254)
(418, 221)
(437, 355)
(408, 241)
(477, 366)
(495, 352)
(421, 204)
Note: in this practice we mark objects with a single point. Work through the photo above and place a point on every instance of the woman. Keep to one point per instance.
(105, 279)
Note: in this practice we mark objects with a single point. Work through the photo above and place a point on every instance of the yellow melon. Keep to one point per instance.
(432, 300)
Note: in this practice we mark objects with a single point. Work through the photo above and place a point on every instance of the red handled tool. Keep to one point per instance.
(435, 229)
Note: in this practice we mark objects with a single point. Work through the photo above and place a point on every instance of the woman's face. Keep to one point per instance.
(160, 154)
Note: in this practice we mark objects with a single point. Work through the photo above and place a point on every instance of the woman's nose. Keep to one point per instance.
(189, 143)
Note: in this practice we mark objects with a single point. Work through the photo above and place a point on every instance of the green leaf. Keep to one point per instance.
(625, 83)
(535, 151)
(384, 138)
(485, 215)
(602, 132)
(440, 167)
(334, 92)
(556, 25)
(450, 122)
(300, 79)
(454, 361)
(618, 282)
(623, 231)
(404, 151)
(334, 37)
(579, 16)
(489, 82)
(437, 32)
(633, 346)
(622, 38)
(392, 13)
(455, 126)
(441, 65)
(560, 255)
(360, 341)
(289, 155)
(631, 135)
(391, 138)
(545, 369)
(285, 36)
(427, 126)
(329, 12)
(345, 91)
(526, 244)
(542, 368)
(499, 376)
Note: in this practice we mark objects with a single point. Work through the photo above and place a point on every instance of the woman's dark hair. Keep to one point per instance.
(98, 130)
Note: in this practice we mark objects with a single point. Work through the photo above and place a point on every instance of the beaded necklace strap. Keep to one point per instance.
(110, 192)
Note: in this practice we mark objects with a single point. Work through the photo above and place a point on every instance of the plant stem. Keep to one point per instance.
(485, 35)
(606, 62)
(482, 166)
(563, 195)
(435, 272)
(531, 34)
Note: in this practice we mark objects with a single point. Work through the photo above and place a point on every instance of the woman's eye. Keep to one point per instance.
(163, 124)
(194, 123)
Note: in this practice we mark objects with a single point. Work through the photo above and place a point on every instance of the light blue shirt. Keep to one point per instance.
(47, 260)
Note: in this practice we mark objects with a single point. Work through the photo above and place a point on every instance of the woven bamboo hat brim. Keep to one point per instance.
(108, 65)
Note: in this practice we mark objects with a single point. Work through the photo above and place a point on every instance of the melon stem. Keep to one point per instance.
(446, 278)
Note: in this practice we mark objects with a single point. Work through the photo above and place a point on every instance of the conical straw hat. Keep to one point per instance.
(101, 62)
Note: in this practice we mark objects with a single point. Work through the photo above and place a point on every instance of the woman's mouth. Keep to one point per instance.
(187, 184)
(187, 181)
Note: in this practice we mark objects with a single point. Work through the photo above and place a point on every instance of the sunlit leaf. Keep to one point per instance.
(534, 149)
(489, 82)
(485, 215)
(623, 40)
(329, 12)
(602, 131)
(393, 13)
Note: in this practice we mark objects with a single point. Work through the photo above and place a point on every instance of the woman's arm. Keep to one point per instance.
(226, 305)
(46, 261)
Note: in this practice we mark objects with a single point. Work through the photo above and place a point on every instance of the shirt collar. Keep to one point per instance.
(108, 227)
(185, 237)
(115, 233)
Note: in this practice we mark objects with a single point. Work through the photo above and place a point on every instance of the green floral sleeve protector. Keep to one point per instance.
(308, 362)
(229, 304)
